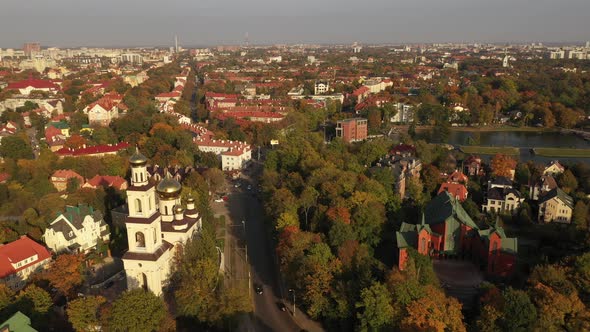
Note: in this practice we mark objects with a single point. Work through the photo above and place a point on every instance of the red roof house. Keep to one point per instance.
(19, 259)
(106, 181)
(457, 190)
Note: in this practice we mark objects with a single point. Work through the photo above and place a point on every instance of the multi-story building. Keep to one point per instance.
(352, 130)
(31, 49)
(501, 197)
(447, 230)
(19, 259)
(556, 206)
(77, 229)
(157, 225)
(233, 154)
(321, 88)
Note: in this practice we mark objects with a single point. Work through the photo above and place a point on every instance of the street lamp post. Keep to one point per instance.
(292, 291)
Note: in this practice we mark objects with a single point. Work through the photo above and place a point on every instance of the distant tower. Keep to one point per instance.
(588, 44)
(175, 44)
(505, 61)
(246, 39)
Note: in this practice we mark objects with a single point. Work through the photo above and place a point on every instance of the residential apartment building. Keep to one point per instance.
(19, 259)
(233, 154)
(77, 229)
(352, 130)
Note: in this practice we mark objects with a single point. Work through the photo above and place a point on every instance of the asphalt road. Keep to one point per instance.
(243, 205)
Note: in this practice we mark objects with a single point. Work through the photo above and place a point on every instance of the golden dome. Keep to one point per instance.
(137, 159)
(178, 209)
(168, 187)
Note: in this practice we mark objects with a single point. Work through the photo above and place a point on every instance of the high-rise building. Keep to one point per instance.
(175, 44)
(31, 48)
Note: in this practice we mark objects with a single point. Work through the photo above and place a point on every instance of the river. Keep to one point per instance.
(524, 140)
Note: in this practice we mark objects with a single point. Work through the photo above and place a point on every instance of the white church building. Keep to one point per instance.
(157, 226)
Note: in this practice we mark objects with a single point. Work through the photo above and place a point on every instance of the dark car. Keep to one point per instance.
(258, 289)
(109, 284)
(282, 306)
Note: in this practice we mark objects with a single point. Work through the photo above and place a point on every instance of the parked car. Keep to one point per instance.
(109, 284)
(258, 289)
(219, 200)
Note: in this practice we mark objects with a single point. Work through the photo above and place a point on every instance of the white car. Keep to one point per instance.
(219, 200)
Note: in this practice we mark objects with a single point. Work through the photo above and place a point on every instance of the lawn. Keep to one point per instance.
(562, 152)
(507, 150)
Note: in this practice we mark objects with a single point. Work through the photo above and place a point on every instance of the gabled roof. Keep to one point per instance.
(20, 250)
(67, 173)
(560, 195)
(455, 189)
(444, 206)
(34, 83)
(19, 322)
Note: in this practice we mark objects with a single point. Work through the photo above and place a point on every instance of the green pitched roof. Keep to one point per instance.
(406, 239)
(442, 207)
(19, 322)
(59, 125)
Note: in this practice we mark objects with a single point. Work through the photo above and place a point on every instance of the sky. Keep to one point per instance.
(72, 23)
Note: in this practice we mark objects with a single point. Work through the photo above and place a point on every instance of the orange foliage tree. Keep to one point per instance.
(433, 312)
(503, 165)
(65, 273)
(75, 142)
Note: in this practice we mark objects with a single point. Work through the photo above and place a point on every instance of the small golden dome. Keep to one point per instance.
(168, 186)
(137, 159)
(178, 209)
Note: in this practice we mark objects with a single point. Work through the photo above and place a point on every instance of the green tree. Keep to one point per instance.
(72, 185)
(580, 215)
(375, 309)
(137, 311)
(6, 295)
(15, 147)
(519, 314)
(34, 302)
(83, 313)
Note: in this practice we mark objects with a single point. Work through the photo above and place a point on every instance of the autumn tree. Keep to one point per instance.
(34, 302)
(580, 215)
(75, 142)
(137, 311)
(433, 312)
(567, 181)
(6, 295)
(83, 313)
(503, 165)
(430, 178)
(65, 273)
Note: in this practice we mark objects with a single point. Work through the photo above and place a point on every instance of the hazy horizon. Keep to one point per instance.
(71, 23)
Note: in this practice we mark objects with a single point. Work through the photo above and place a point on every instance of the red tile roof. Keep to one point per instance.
(90, 150)
(19, 250)
(66, 174)
(37, 84)
(106, 181)
(456, 189)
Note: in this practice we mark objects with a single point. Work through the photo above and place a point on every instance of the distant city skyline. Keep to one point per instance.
(112, 23)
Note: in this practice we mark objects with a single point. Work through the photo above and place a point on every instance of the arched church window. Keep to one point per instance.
(140, 240)
(423, 246)
(138, 205)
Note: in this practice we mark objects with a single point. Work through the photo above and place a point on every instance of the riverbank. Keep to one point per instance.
(562, 152)
(491, 150)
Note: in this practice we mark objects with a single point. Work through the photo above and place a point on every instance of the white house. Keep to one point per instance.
(234, 155)
(77, 230)
(19, 259)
